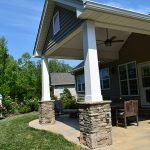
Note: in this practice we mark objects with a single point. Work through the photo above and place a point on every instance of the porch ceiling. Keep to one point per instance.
(73, 48)
(115, 18)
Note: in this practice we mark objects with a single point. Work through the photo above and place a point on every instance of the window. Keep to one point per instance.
(56, 24)
(105, 78)
(80, 83)
(128, 79)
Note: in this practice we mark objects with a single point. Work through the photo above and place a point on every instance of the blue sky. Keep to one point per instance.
(19, 21)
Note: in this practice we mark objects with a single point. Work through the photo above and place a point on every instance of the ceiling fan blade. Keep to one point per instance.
(117, 41)
(100, 41)
(100, 44)
(112, 38)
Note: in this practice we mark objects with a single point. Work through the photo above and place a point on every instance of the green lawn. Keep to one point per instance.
(15, 134)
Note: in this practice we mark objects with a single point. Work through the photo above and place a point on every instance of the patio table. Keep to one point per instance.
(114, 107)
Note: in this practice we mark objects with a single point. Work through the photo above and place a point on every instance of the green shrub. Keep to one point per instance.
(15, 107)
(68, 100)
(24, 109)
(33, 104)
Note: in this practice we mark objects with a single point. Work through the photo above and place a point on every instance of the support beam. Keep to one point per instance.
(45, 80)
(91, 69)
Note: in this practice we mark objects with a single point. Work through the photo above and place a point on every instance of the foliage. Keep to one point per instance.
(20, 80)
(58, 66)
(15, 134)
(68, 100)
(3, 59)
(25, 106)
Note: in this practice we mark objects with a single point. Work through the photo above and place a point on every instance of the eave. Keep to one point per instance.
(115, 18)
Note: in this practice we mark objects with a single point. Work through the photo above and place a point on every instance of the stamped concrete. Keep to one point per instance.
(132, 138)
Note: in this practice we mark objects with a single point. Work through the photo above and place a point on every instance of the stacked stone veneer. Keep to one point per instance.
(46, 112)
(95, 124)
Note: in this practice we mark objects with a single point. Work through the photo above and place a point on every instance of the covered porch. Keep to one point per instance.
(102, 34)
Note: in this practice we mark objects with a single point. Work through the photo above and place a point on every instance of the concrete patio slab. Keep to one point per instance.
(132, 138)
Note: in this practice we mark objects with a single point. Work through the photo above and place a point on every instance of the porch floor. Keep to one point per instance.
(132, 138)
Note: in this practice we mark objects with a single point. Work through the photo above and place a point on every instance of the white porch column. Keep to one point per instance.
(91, 68)
(46, 105)
(45, 80)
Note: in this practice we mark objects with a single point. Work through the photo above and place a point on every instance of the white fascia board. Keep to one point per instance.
(78, 69)
(114, 10)
(37, 54)
(40, 27)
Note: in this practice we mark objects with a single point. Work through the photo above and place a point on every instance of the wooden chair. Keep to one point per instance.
(130, 110)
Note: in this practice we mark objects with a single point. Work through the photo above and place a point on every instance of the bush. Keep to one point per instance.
(15, 107)
(24, 109)
(10, 105)
(68, 100)
(33, 104)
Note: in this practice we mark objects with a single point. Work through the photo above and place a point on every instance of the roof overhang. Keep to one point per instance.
(115, 18)
(103, 15)
(46, 20)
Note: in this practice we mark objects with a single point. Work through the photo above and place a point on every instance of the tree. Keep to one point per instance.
(58, 66)
(20, 81)
(68, 100)
(27, 78)
(3, 58)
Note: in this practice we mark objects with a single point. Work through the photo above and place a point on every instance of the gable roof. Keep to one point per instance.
(46, 20)
(62, 79)
(86, 9)
(78, 67)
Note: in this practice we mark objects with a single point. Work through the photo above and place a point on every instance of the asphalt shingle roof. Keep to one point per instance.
(62, 78)
(78, 67)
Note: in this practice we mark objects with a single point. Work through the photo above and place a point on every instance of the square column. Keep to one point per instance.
(46, 106)
(91, 68)
(95, 114)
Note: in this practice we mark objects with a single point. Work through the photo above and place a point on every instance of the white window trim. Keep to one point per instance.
(80, 83)
(57, 13)
(105, 79)
(128, 79)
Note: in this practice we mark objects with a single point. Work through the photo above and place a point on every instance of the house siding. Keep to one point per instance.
(58, 90)
(68, 23)
(136, 48)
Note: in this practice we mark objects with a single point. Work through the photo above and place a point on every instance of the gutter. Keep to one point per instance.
(76, 70)
(95, 6)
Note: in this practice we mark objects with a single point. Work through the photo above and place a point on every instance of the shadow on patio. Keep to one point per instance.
(132, 138)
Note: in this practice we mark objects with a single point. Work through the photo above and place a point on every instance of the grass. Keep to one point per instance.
(15, 134)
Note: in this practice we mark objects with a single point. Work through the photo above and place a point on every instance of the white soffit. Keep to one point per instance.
(115, 18)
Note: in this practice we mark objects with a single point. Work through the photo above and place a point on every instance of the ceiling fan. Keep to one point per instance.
(109, 41)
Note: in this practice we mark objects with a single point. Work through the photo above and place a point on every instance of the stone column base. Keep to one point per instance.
(46, 112)
(95, 124)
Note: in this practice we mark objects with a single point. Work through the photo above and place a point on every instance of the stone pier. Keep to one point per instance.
(95, 124)
(46, 112)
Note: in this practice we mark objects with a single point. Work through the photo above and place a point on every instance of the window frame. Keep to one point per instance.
(77, 84)
(101, 83)
(128, 84)
(57, 13)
